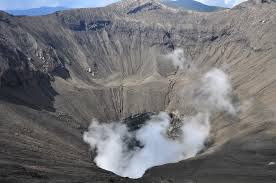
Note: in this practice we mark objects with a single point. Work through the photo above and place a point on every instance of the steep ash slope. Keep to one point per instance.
(59, 71)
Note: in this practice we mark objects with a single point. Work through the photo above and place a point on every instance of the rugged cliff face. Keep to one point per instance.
(57, 72)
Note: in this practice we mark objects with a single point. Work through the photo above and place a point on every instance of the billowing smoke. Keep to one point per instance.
(165, 137)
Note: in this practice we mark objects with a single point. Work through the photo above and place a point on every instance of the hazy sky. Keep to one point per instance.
(223, 3)
(26, 4)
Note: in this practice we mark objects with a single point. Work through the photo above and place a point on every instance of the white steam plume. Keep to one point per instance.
(214, 93)
(113, 153)
(130, 153)
(177, 58)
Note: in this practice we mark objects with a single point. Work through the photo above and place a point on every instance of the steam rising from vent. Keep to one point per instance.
(213, 94)
(177, 58)
(164, 138)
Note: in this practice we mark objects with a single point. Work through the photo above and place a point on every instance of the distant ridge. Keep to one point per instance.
(181, 4)
(36, 11)
(191, 5)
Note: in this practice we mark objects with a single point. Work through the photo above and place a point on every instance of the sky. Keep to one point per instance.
(27, 4)
(223, 3)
